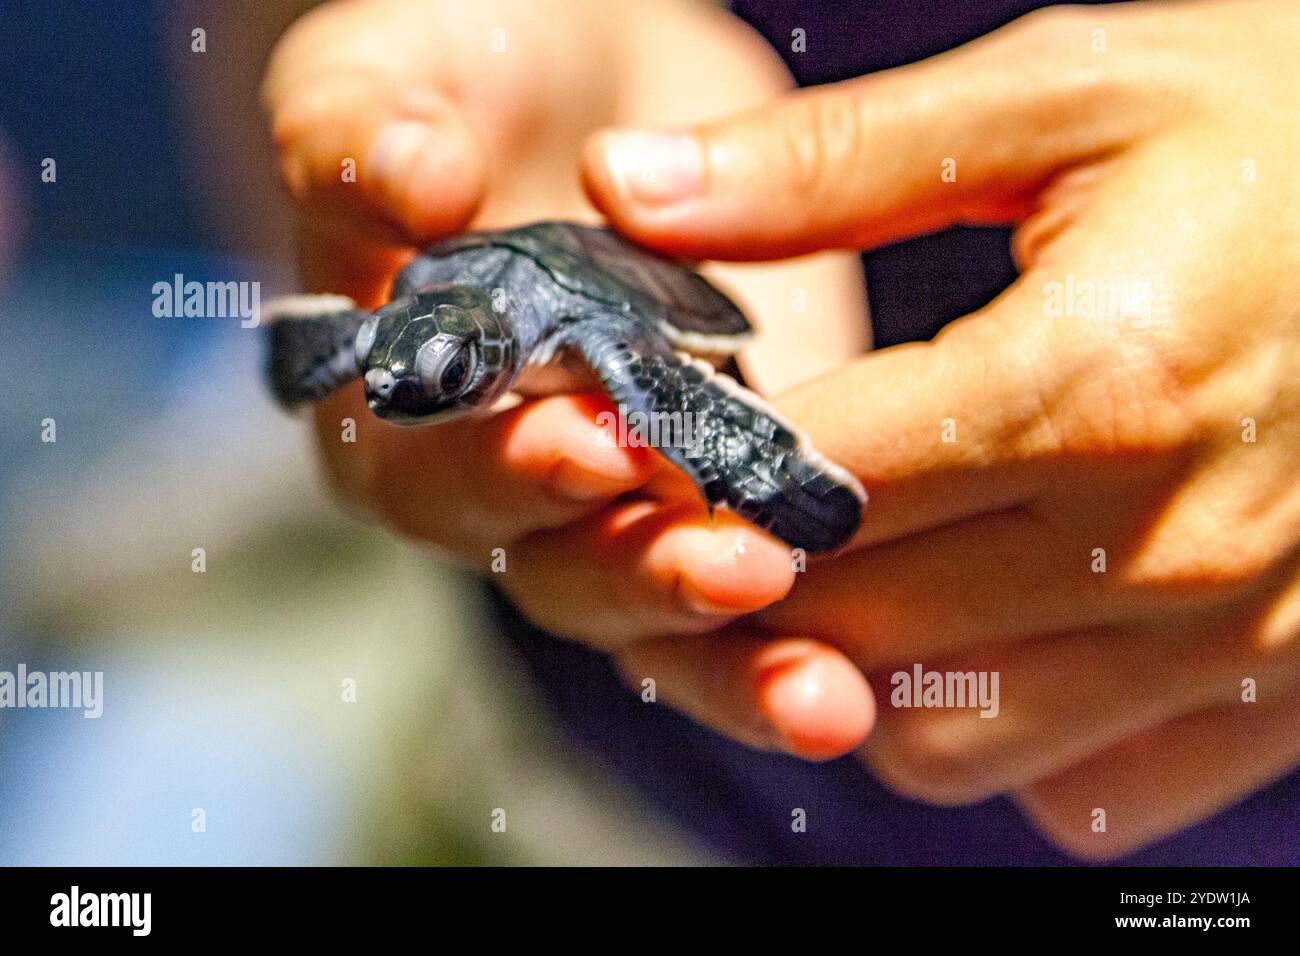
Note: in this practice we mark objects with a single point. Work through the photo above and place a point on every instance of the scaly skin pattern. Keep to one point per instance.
(470, 314)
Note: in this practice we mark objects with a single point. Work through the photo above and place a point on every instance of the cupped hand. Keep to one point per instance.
(1089, 486)
(399, 122)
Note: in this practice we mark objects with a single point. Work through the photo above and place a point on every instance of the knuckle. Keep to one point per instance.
(1052, 47)
(1207, 557)
(536, 597)
(324, 28)
(820, 146)
(1120, 397)
(290, 51)
(1052, 28)
(930, 759)
(1068, 825)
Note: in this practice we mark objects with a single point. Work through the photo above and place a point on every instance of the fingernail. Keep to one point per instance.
(414, 166)
(654, 168)
(425, 175)
(700, 604)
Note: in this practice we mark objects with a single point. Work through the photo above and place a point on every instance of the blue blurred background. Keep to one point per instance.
(226, 691)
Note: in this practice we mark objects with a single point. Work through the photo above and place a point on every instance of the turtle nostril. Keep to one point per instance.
(379, 381)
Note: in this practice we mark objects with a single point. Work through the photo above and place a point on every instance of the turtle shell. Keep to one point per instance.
(610, 272)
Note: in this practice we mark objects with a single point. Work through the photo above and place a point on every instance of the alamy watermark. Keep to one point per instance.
(1135, 299)
(208, 300)
(956, 689)
(637, 429)
(74, 908)
(68, 690)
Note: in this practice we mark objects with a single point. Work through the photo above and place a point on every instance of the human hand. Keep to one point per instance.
(1146, 153)
(455, 116)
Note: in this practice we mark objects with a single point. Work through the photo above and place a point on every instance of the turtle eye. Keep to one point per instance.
(445, 371)
(455, 374)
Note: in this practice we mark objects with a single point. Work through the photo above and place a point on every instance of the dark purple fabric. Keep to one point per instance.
(917, 286)
(739, 802)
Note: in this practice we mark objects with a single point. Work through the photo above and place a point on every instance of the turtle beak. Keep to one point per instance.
(379, 385)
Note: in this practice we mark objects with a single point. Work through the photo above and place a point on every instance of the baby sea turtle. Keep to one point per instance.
(483, 313)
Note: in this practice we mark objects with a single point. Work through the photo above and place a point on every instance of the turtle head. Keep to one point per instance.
(434, 355)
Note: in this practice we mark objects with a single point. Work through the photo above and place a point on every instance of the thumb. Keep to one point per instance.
(962, 425)
(369, 145)
(969, 135)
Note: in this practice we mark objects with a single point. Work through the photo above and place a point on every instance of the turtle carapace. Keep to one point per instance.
(484, 313)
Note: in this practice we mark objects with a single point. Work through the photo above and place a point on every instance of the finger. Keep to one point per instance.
(966, 136)
(480, 483)
(948, 429)
(1158, 782)
(995, 577)
(1005, 407)
(1050, 702)
(791, 694)
(998, 576)
(380, 156)
(367, 139)
(644, 568)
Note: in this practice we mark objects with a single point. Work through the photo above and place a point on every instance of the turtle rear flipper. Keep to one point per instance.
(732, 444)
(311, 346)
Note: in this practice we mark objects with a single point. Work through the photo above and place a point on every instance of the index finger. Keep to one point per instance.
(366, 138)
(482, 482)
(947, 429)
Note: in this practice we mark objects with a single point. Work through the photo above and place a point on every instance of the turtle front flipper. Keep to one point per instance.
(311, 346)
(735, 448)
